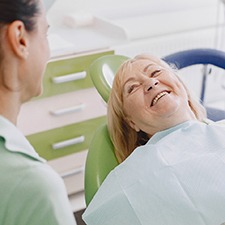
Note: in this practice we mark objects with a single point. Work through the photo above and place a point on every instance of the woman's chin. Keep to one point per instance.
(167, 108)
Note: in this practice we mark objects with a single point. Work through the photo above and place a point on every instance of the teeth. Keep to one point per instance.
(157, 97)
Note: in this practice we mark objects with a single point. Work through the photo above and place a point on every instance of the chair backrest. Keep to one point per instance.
(191, 57)
(203, 56)
(102, 72)
(100, 161)
(101, 158)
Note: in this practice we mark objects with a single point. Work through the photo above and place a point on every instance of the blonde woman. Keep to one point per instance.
(172, 168)
(124, 134)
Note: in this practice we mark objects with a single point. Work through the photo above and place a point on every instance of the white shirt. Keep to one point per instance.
(177, 178)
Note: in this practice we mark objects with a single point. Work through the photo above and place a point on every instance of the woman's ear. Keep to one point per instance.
(18, 39)
(133, 125)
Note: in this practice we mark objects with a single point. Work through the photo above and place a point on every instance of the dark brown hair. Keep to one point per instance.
(23, 10)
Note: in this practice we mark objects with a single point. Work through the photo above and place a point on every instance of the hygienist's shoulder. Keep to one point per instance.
(43, 197)
(45, 177)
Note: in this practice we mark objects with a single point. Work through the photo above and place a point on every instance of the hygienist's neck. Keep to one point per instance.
(10, 107)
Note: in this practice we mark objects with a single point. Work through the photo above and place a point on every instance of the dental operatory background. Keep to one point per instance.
(83, 30)
(131, 27)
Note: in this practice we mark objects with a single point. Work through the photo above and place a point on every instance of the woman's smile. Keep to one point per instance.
(158, 97)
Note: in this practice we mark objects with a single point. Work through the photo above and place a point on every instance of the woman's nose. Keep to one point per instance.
(151, 85)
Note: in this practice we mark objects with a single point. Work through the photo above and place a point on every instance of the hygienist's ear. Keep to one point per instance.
(18, 39)
(133, 125)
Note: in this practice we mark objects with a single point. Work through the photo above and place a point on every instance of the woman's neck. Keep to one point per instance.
(10, 106)
(173, 120)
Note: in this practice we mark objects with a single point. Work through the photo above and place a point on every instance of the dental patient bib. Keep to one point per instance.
(177, 178)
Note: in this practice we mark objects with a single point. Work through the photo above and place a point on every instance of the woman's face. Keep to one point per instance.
(38, 55)
(153, 97)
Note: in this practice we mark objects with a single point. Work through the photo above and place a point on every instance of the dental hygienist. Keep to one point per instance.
(31, 193)
(172, 162)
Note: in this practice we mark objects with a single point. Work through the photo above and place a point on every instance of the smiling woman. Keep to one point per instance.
(172, 168)
(147, 96)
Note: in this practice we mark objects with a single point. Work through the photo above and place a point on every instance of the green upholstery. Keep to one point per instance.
(100, 161)
(101, 158)
(102, 72)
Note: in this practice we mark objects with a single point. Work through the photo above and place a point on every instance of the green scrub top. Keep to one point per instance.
(31, 192)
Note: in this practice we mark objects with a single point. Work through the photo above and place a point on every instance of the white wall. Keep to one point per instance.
(62, 7)
(70, 5)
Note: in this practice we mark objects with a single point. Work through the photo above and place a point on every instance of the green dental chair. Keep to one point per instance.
(101, 159)
(100, 151)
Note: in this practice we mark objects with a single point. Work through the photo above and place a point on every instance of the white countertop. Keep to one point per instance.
(96, 37)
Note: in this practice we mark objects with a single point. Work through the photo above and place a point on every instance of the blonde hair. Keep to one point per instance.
(124, 138)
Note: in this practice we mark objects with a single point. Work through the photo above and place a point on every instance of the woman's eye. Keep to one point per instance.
(131, 88)
(155, 72)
